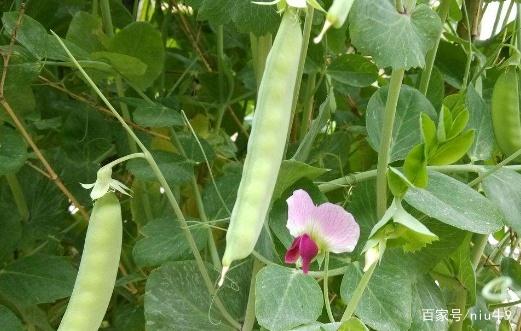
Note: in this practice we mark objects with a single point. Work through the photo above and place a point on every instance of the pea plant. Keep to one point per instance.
(260, 165)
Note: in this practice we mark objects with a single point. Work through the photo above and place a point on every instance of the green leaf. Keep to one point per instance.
(318, 327)
(37, 279)
(86, 31)
(453, 150)
(454, 203)
(17, 88)
(127, 66)
(426, 295)
(397, 182)
(511, 268)
(393, 39)
(291, 171)
(363, 208)
(444, 124)
(353, 69)
(165, 241)
(415, 166)
(353, 324)
(450, 239)
(176, 298)
(286, 298)
(176, 169)
(34, 37)
(503, 187)
(406, 135)
(416, 235)
(458, 124)
(154, 115)
(386, 303)
(9, 321)
(227, 186)
(85, 134)
(31, 34)
(247, 16)
(142, 41)
(428, 130)
(193, 150)
(464, 271)
(10, 223)
(13, 151)
(480, 120)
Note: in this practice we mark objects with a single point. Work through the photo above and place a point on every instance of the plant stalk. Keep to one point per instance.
(326, 290)
(431, 55)
(357, 294)
(386, 139)
(249, 319)
(168, 192)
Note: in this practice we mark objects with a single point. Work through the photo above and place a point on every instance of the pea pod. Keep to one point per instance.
(98, 268)
(267, 141)
(505, 111)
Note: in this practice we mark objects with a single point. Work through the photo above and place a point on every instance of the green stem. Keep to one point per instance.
(470, 55)
(326, 290)
(518, 27)
(500, 165)
(95, 7)
(307, 114)
(308, 24)
(461, 303)
(18, 196)
(200, 207)
(249, 318)
(480, 242)
(106, 18)
(260, 48)
(359, 291)
(168, 191)
(498, 16)
(220, 64)
(431, 55)
(385, 141)
(352, 179)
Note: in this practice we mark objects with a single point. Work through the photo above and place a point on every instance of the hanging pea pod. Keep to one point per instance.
(98, 268)
(336, 16)
(506, 119)
(267, 141)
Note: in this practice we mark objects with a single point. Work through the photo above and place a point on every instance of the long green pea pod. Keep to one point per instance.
(98, 268)
(267, 141)
(505, 111)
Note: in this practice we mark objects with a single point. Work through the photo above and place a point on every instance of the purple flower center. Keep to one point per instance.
(305, 248)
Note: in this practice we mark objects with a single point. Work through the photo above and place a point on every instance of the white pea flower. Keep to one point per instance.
(104, 183)
(297, 3)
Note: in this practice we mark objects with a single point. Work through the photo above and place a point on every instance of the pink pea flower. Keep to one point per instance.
(322, 228)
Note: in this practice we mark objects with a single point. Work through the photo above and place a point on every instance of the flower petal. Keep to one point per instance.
(335, 228)
(120, 187)
(308, 249)
(297, 3)
(293, 252)
(300, 213)
(87, 186)
(99, 190)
